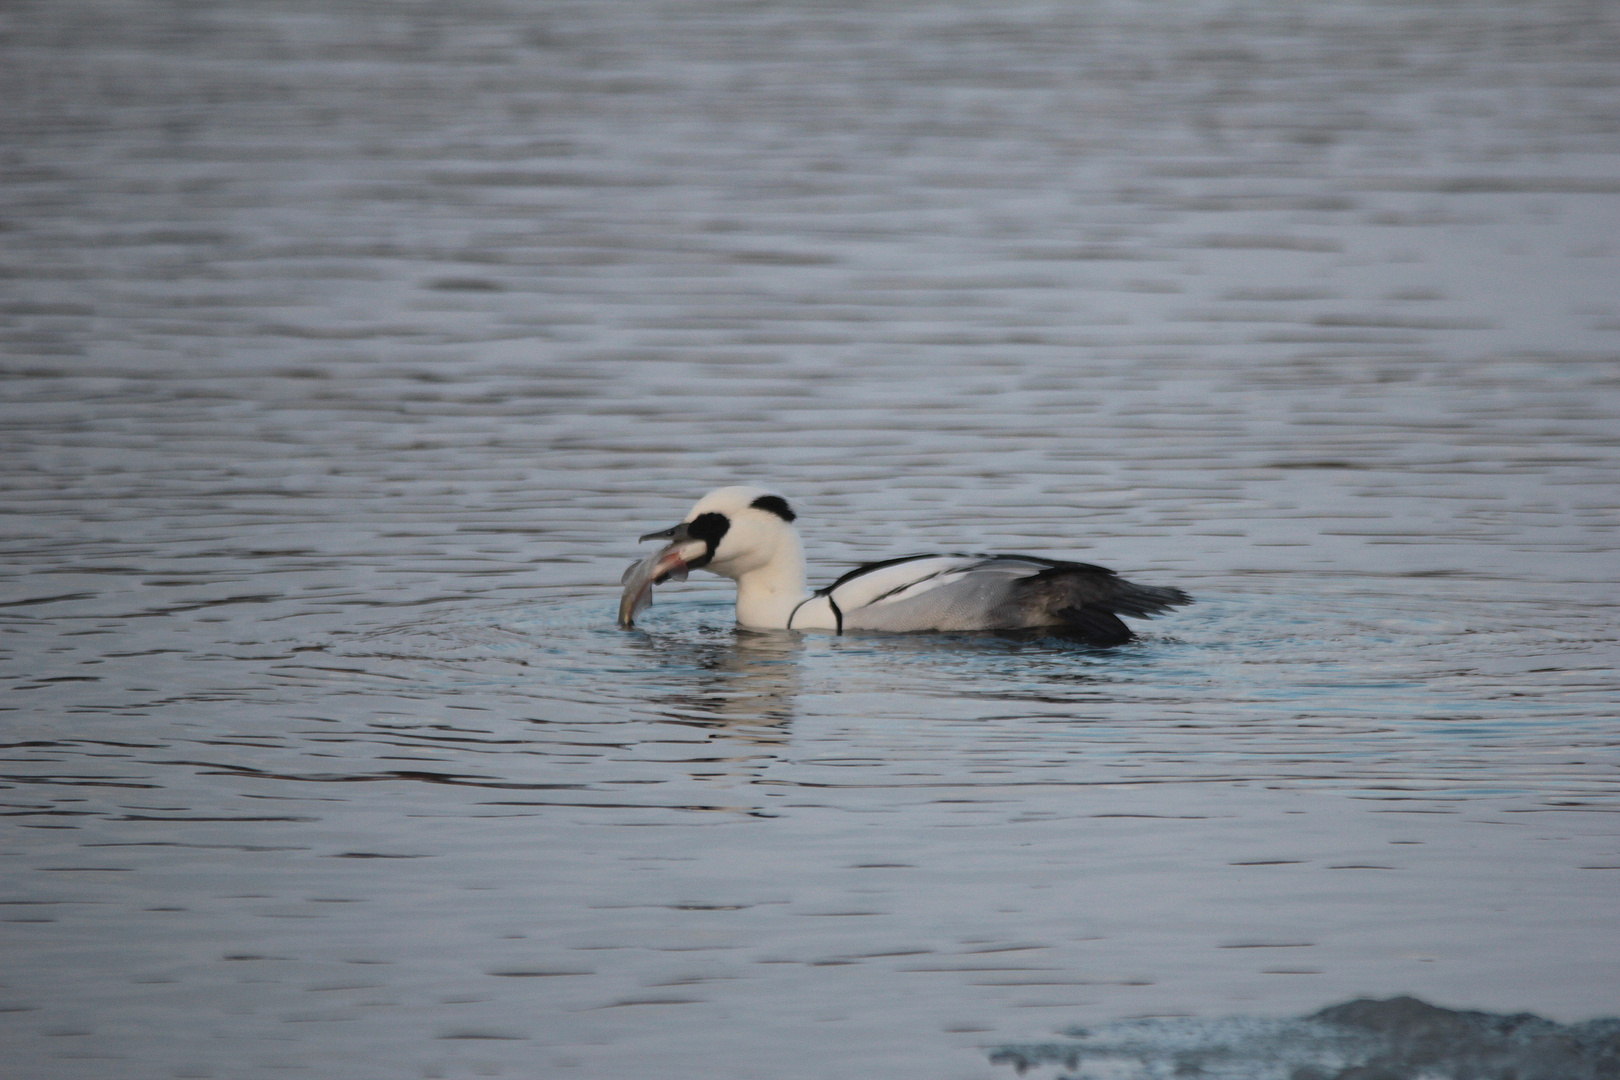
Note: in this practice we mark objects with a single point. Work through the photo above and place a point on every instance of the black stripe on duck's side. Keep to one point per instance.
(917, 581)
(832, 607)
(869, 568)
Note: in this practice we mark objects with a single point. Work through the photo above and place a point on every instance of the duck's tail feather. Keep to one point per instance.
(1144, 601)
(1088, 600)
(1094, 626)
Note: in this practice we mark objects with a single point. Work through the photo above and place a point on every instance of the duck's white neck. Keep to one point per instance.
(768, 590)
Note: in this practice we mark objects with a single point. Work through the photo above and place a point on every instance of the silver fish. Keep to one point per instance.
(639, 579)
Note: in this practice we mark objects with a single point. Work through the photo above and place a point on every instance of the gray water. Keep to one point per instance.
(349, 346)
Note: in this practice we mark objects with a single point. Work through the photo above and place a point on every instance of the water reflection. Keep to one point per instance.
(746, 681)
(745, 684)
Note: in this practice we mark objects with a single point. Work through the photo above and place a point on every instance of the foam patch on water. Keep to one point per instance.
(1401, 1038)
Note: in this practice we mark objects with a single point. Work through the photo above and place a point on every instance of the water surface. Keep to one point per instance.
(347, 349)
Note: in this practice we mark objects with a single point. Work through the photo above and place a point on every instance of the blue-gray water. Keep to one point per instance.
(348, 347)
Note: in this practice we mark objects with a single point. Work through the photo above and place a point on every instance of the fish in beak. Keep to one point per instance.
(672, 561)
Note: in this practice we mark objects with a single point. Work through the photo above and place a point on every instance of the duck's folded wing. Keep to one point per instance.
(934, 592)
(881, 581)
(996, 592)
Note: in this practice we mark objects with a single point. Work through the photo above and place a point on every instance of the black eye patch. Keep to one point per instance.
(709, 528)
(774, 504)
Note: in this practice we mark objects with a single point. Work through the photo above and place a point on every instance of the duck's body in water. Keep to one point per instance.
(747, 534)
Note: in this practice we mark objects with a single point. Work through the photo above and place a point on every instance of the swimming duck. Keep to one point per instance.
(747, 534)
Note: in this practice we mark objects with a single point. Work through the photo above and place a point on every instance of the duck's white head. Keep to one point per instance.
(733, 532)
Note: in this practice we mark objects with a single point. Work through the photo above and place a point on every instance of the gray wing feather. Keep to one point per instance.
(971, 601)
(1009, 592)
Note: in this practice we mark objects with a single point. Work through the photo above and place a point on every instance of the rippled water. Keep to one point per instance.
(348, 347)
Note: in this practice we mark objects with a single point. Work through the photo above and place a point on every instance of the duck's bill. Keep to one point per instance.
(655, 569)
